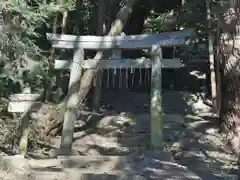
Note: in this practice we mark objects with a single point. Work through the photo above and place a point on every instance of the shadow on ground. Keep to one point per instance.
(204, 151)
(115, 143)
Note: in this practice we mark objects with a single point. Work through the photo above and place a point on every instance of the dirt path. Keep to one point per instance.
(203, 151)
(193, 138)
(194, 148)
(191, 134)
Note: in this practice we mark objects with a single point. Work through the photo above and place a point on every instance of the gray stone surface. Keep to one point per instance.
(147, 166)
(196, 149)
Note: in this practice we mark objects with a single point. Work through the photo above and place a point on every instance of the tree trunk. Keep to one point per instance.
(52, 124)
(76, 29)
(230, 48)
(59, 74)
(98, 79)
(47, 82)
(211, 59)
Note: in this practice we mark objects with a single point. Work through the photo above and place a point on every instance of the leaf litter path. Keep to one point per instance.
(115, 145)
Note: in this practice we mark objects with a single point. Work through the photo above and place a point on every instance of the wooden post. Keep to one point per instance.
(218, 73)
(97, 90)
(211, 60)
(156, 99)
(72, 102)
(24, 131)
(24, 103)
(98, 78)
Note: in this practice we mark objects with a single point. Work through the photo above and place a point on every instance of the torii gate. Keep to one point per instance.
(148, 41)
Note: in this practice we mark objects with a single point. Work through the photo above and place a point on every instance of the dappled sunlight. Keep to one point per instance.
(204, 146)
(118, 143)
(162, 126)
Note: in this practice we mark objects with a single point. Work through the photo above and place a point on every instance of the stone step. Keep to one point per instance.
(96, 163)
(141, 121)
(124, 144)
(227, 176)
(162, 170)
(76, 174)
(147, 129)
(149, 165)
(90, 162)
(145, 117)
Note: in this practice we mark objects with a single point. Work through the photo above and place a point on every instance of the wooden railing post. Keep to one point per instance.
(72, 102)
(156, 99)
(24, 131)
(24, 103)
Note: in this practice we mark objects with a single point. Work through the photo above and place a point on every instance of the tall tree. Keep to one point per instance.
(23, 62)
(101, 30)
(211, 59)
(230, 53)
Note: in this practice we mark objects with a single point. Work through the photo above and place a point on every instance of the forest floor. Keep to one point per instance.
(122, 130)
